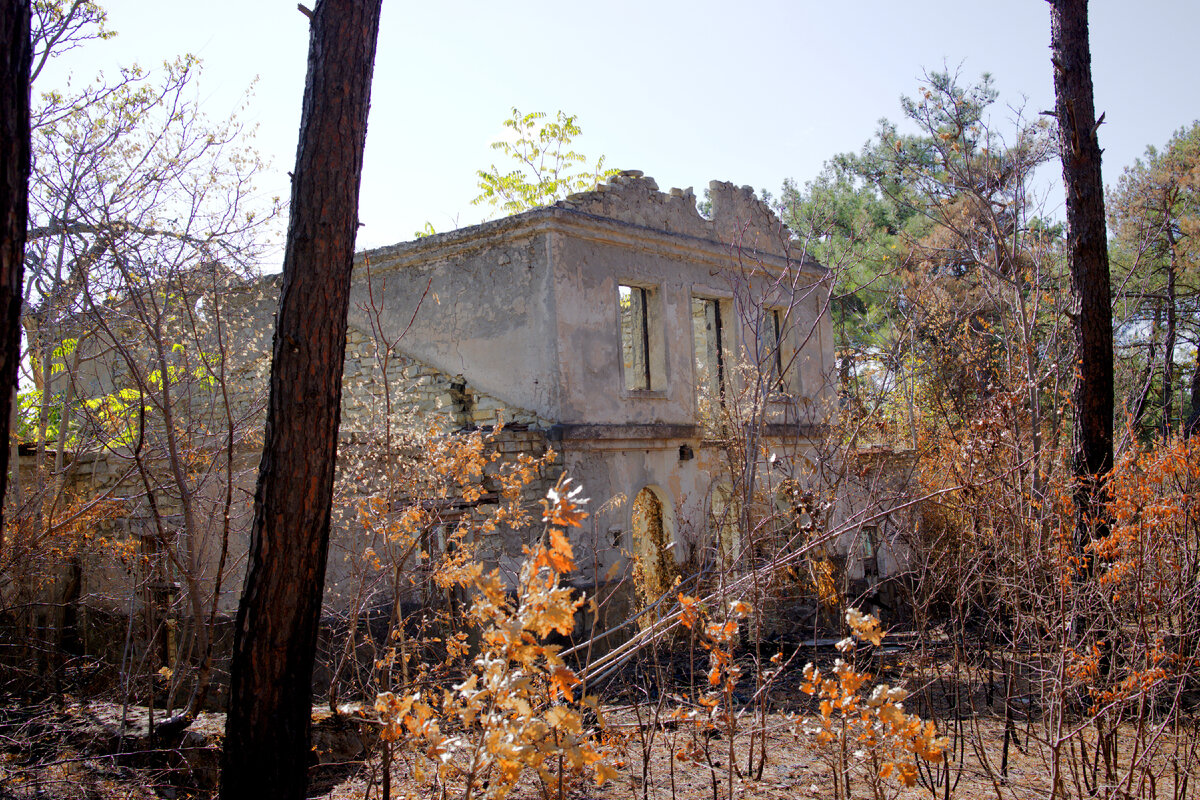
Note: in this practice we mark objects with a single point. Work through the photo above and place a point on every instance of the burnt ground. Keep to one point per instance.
(66, 748)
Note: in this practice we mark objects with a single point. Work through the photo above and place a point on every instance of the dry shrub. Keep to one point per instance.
(521, 707)
(869, 736)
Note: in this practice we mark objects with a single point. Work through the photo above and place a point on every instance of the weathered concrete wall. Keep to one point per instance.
(526, 307)
(593, 257)
(479, 304)
(524, 312)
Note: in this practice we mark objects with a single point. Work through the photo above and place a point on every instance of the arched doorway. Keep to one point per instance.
(655, 567)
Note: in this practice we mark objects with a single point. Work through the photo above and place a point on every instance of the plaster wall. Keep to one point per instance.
(633, 235)
(479, 304)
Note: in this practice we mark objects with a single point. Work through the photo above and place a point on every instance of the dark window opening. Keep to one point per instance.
(635, 337)
(709, 335)
(770, 349)
(868, 552)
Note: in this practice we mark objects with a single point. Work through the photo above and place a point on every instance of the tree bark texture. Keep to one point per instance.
(266, 751)
(1087, 253)
(16, 59)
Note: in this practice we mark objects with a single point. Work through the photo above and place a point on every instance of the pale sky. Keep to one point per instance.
(684, 91)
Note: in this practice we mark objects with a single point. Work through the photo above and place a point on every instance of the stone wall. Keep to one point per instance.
(738, 218)
(425, 402)
(419, 390)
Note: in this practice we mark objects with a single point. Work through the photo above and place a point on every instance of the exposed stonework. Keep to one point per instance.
(421, 390)
(739, 217)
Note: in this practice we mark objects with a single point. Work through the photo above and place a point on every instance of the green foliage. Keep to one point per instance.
(28, 405)
(60, 354)
(1155, 208)
(856, 232)
(941, 263)
(969, 182)
(1154, 213)
(545, 168)
(177, 375)
(114, 416)
(57, 26)
(117, 414)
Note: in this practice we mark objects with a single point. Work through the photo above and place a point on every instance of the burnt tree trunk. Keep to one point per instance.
(15, 62)
(266, 751)
(1087, 253)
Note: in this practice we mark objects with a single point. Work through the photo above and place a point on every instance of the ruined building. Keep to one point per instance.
(615, 326)
(669, 358)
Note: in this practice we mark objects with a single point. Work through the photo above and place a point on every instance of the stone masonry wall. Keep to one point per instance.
(419, 389)
(738, 215)
(423, 399)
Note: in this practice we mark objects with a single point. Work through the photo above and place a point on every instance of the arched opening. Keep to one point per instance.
(725, 516)
(655, 567)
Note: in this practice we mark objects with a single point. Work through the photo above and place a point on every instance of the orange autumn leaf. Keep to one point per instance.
(562, 558)
(689, 613)
(561, 507)
(714, 675)
(605, 773)
(561, 681)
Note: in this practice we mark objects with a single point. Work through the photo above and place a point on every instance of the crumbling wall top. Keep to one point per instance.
(738, 215)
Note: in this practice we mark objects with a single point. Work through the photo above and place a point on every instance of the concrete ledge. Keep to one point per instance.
(658, 431)
(609, 432)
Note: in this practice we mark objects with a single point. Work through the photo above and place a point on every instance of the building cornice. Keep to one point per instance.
(586, 226)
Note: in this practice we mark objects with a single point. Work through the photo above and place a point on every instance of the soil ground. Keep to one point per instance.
(76, 751)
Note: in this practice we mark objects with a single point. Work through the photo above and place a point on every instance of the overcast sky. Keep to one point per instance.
(685, 91)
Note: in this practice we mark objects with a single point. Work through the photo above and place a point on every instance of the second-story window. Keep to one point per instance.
(770, 349)
(708, 331)
(635, 336)
(638, 338)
